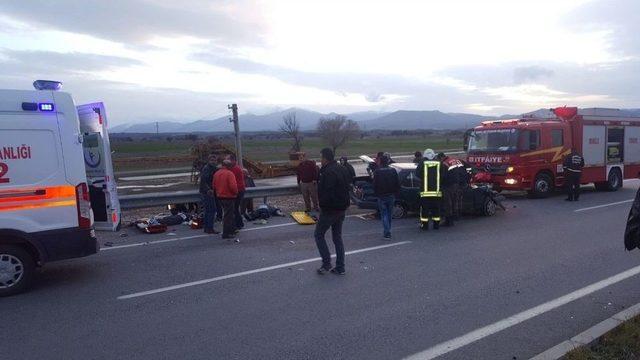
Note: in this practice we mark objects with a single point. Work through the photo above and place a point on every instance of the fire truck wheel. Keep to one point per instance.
(17, 269)
(542, 186)
(615, 180)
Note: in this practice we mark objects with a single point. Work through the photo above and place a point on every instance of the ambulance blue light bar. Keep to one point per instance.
(47, 85)
(45, 107)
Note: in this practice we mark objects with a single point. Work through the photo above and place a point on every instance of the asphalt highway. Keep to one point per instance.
(451, 293)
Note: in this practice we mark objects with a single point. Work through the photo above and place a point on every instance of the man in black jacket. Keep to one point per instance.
(385, 185)
(333, 196)
(208, 195)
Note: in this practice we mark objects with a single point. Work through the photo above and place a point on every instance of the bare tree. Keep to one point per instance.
(337, 131)
(291, 128)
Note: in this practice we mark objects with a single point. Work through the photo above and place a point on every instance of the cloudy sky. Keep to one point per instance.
(186, 60)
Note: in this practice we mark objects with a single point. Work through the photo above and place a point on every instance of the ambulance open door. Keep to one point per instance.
(97, 160)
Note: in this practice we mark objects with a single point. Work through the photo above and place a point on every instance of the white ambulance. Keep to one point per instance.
(45, 208)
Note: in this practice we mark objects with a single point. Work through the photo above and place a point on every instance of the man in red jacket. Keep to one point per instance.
(237, 171)
(307, 173)
(226, 188)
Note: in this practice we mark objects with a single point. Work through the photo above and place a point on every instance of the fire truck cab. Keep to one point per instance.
(527, 153)
(45, 212)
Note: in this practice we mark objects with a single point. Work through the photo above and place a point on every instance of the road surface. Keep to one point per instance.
(452, 293)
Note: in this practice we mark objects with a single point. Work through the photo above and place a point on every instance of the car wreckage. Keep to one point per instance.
(478, 198)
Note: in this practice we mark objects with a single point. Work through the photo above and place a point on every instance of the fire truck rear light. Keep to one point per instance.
(510, 169)
(84, 206)
(510, 181)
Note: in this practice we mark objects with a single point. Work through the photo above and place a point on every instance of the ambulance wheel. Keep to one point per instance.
(17, 269)
(542, 186)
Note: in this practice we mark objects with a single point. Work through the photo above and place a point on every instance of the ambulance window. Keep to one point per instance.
(557, 137)
(529, 140)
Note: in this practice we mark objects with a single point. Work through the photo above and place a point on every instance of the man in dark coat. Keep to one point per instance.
(386, 185)
(333, 195)
(345, 162)
(208, 194)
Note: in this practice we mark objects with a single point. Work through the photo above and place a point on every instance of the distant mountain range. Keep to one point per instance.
(368, 120)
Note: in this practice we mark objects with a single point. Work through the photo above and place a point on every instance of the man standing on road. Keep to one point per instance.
(345, 162)
(430, 173)
(208, 194)
(333, 192)
(307, 174)
(451, 187)
(385, 185)
(572, 166)
(226, 186)
(237, 172)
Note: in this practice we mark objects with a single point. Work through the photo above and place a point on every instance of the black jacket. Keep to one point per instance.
(206, 178)
(632, 232)
(333, 187)
(385, 181)
(352, 171)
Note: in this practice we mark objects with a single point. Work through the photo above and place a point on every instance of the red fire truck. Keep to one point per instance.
(527, 153)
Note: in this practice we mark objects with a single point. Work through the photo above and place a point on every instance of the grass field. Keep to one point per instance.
(622, 343)
(277, 149)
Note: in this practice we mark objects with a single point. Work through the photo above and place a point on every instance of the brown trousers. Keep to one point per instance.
(309, 194)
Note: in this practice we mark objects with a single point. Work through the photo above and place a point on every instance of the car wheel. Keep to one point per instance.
(399, 211)
(542, 186)
(489, 207)
(17, 268)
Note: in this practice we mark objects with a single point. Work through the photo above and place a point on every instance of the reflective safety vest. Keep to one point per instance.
(431, 179)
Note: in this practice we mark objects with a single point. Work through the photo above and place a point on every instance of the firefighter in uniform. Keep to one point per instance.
(451, 191)
(429, 171)
(572, 166)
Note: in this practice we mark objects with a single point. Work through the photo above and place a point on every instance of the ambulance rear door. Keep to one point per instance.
(35, 194)
(99, 168)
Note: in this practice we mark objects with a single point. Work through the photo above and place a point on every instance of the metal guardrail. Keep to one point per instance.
(139, 201)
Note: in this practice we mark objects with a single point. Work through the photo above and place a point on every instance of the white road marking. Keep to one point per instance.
(250, 272)
(197, 236)
(604, 205)
(516, 319)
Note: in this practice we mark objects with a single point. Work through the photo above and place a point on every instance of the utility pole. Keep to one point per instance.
(236, 129)
(157, 128)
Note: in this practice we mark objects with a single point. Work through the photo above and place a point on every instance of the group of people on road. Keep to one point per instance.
(444, 179)
(222, 187)
(326, 190)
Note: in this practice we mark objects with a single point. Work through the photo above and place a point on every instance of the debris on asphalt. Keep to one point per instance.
(171, 233)
(261, 222)
(292, 242)
(108, 243)
(124, 234)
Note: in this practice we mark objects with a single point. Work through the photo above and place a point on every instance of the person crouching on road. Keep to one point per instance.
(430, 173)
(307, 176)
(572, 166)
(238, 173)
(333, 193)
(208, 195)
(385, 185)
(226, 187)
